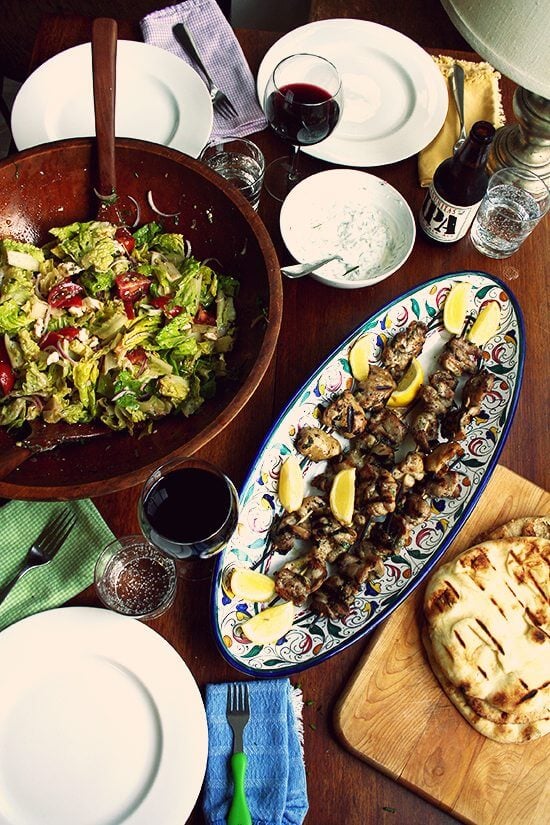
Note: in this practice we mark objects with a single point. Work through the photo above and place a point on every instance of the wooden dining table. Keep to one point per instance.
(342, 788)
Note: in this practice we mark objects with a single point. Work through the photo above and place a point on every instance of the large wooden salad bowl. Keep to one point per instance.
(53, 185)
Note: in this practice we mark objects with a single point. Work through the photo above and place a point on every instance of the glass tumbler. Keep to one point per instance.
(515, 201)
(134, 578)
(241, 163)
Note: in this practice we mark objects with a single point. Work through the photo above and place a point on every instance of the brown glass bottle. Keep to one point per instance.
(458, 186)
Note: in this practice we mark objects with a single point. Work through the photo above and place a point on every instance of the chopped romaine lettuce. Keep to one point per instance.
(118, 353)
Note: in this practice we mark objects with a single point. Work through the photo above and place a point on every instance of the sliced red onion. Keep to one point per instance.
(153, 206)
(138, 211)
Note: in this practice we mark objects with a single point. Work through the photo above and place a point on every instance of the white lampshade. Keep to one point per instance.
(512, 35)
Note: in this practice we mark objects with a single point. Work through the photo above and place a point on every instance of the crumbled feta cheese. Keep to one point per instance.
(77, 311)
(39, 328)
(53, 358)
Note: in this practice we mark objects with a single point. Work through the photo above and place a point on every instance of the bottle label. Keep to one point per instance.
(443, 221)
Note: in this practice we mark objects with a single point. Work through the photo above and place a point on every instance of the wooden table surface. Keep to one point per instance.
(342, 789)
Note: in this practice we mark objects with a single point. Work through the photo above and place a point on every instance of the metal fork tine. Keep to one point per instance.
(59, 530)
(225, 108)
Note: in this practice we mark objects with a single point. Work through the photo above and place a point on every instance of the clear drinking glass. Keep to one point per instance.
(302, 103)
(239, 161)
(188, 509)
(515, 201)
(134, 578)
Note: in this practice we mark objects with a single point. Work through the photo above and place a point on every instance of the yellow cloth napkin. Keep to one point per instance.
(482, 101)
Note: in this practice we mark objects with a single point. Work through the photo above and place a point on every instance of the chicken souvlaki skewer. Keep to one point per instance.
(421, 477)
(366, 559)
(347, 414)
(378, 488)
(363, 419)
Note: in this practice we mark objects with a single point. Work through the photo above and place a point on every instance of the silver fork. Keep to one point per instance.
(238, 714)
(220, 101)
(45, 546)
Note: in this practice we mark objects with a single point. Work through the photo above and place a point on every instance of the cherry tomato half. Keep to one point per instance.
(204, 317)
(7, 375)
(138, 357)
(66, 294)
(51, 339)
(125, 237)
(162, 301)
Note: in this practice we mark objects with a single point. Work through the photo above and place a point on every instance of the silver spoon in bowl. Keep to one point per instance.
(300, 270)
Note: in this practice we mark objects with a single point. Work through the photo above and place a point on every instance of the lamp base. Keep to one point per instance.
(527, 143)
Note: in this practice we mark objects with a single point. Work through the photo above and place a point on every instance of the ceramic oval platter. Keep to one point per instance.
(313, 638)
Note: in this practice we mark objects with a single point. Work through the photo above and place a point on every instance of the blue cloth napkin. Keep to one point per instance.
(222, 55)
(275, 778)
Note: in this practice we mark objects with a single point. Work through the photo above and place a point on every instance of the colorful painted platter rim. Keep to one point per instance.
(228, 614)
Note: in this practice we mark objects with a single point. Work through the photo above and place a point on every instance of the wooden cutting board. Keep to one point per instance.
(394, 715)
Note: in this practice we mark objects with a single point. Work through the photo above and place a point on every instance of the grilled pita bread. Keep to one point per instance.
(528, 526)
(502, 731)
(488, 623)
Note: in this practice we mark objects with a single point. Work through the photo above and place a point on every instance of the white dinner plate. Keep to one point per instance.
(158, 98)
(395, 98)
(101, 723)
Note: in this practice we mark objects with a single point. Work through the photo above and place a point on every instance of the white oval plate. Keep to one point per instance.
(101, 723)
(159, 98)
(395, 98)
(312, 225)
(313, 638)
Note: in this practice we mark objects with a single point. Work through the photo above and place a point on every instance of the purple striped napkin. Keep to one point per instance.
(221, 54)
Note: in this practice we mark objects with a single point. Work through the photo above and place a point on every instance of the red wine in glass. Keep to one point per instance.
(302, 103)
(302, 113)
(188, 508)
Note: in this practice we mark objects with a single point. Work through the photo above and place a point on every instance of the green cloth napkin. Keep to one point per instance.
(69, 572)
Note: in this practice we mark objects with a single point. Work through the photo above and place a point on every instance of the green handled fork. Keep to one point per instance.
(238, 714)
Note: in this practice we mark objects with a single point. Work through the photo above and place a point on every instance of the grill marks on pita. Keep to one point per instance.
(487, 636)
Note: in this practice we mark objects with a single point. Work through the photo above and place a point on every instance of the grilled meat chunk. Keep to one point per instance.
(424, 430)
(335, 598)
(345, 415)
(386, 426)
(300, 578)
(373, 393)
(376, 490)
(460, 356)
(296, 525)
(416, 509)
(316, 444)
(437, 396)
(442, 456)
(476, 387)
(409, 470)
(445, 485)
(403, 347)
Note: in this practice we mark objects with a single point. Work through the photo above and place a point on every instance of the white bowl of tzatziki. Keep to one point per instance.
(354, 215)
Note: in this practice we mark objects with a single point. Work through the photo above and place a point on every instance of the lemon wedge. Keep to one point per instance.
(408, 386)
(251, 585)
(270, 624)
(359, 358)
(342, 495)
(456, 307)
(486, 324)
(291, 484)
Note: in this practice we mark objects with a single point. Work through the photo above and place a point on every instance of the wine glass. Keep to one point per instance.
(188, 509)
(303, 103)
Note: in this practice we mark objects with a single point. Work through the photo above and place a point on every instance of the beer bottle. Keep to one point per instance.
(458, 186)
